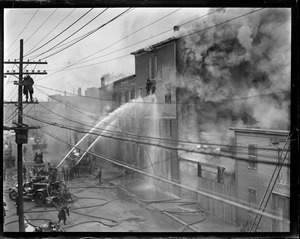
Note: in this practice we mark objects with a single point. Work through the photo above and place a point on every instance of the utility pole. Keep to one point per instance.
(21, 132)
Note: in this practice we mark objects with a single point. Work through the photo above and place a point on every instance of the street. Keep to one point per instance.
(109, 208)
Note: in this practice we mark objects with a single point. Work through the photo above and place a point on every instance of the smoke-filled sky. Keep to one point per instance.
(40, 26)
(234, 75)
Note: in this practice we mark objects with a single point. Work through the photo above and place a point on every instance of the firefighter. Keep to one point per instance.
(35, 159)
(67, 173)
(99, 174)
(41, 157)
(63, 171)
(148, 86)
(24, 172)
(62, 215)
(76, 170)
(28, 83)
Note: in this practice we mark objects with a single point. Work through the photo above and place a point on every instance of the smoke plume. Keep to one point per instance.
(234, 74)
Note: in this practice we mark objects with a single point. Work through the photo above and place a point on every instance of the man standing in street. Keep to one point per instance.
(62, 215)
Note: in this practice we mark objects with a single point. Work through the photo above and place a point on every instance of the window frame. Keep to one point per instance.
(252, 165)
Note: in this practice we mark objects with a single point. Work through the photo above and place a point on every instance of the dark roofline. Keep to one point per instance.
(259, 131)
(124, 78)
(154, 46)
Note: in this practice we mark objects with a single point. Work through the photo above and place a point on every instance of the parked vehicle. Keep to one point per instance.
(39, 191)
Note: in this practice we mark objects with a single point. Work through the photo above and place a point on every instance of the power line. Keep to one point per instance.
(164, 33)
(124, 38)
(22, 31)
(68, 104)
(286, 92)
(220, 197)
(147, 140)
(98, 15)
(41, 25)
(30, 52)
(62, 32)
(221, 23)
(88, 34)
(151, 38)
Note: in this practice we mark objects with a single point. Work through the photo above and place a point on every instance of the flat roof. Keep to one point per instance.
(259, 130)
(154, 46)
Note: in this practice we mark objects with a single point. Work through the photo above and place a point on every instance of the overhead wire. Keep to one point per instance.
(31, 50)
(150, 137)
(203, 192)
(125, 37)
(61, 32)
(286, 92)
(90, 33)
(127, 55)
(22, 32)
(98, 15)
(120, 136)
(40, 26)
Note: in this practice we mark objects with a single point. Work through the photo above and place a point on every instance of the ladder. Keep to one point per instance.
(271, 185)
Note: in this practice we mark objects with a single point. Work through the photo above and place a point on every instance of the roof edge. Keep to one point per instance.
(259, 130)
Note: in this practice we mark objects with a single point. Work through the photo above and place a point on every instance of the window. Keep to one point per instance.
(155, 67)
(152, 67)
(252, 197)
(168, 93)
(120, 99)
(132, 94)
(199, 170)
(252, 155)
(127, 96)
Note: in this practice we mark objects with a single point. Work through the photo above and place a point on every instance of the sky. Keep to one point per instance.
(105, 51)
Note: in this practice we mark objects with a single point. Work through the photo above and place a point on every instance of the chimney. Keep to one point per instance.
(176, 31)
(102, 81)
(79, 91)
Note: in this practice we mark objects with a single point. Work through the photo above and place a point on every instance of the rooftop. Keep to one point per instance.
(154, 46)
(259, 130)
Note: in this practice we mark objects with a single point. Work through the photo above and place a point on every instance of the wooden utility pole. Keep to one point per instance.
(21, 132)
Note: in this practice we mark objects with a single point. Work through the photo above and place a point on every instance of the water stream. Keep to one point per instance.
(141, 108)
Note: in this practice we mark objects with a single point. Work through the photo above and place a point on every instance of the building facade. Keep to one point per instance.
(253, 177)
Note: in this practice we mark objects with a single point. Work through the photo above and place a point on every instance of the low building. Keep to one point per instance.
(123, 90)
(253, 176)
